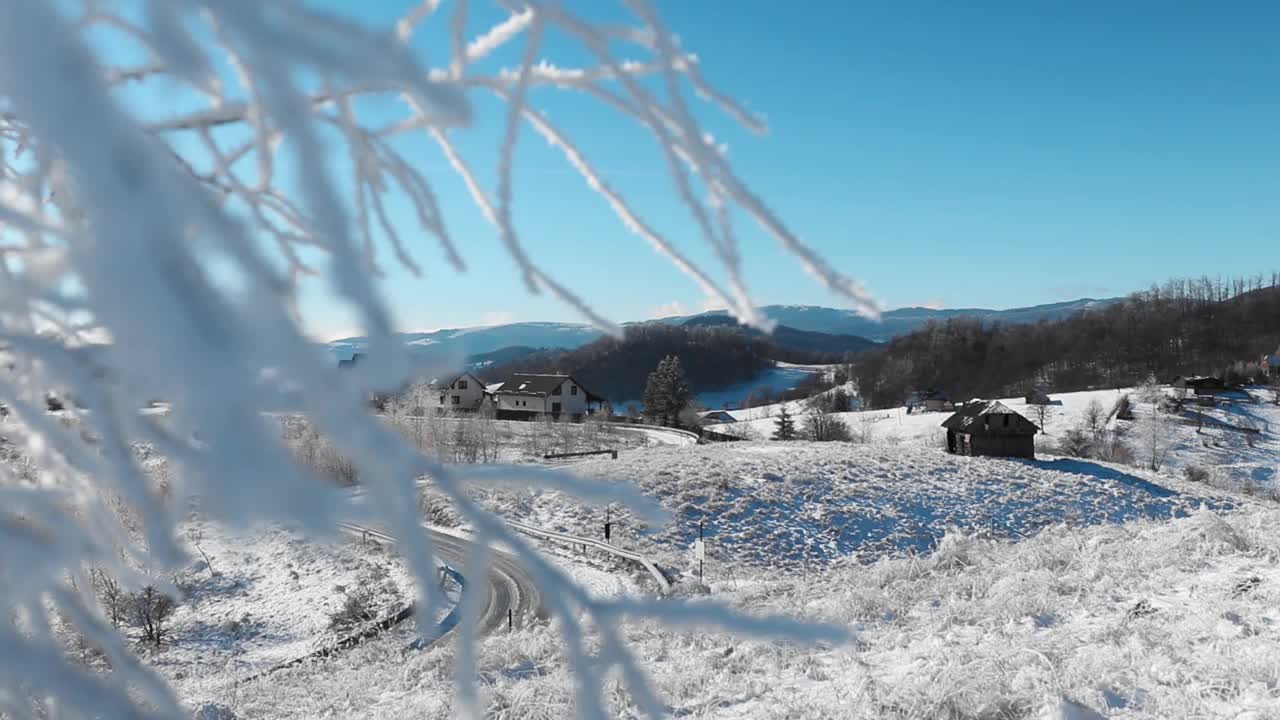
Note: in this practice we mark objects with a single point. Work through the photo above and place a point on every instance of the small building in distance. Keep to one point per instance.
(1200, 384)
(525, 396)
(929, 401)
(350, 362)
(464, 392)
(990, 429)
(1037, 396)
(716, 416)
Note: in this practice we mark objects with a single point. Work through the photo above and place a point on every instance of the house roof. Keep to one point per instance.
(540, 385)
(350, 362)
(1037, 394)
(989, 418)
(449, 380)
(1199, 381)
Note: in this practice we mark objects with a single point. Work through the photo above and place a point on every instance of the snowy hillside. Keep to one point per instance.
(1144, 621)
(1216, 443)
(265, 597)
(786, 505)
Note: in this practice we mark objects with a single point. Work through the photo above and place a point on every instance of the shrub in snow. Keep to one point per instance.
(213, 711)
(1076, 442)
(114, 211)
(1195, 473)
(823, 427)
(1123, 409)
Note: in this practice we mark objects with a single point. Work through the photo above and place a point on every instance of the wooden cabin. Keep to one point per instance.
(1036, 396)
(990, 429)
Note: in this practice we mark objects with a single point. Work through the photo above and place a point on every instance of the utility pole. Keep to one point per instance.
(702, 552)
(607, 524)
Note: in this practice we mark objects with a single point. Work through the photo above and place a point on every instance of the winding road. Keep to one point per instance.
(511, 588)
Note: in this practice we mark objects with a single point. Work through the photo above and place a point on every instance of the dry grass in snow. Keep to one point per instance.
(794, 506)
(1153, 619)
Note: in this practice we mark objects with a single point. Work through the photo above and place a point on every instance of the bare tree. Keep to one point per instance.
(1041, 411)
(195, 535)
(114, 600)
(150, 611)
(1152, 437)
(1094, 419)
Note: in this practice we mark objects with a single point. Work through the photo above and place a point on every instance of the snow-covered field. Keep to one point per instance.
(977, 588)
(1211, 444)
(265, 597)
(794, 505)
(1152, 619)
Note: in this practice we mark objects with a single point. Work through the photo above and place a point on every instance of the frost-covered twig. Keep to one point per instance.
(176, 234)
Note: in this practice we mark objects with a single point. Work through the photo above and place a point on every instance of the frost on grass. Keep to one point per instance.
(1144, 621)
(789, 505)
(178, 230)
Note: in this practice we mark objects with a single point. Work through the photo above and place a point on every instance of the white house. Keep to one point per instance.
(526, 395)
(464, 392)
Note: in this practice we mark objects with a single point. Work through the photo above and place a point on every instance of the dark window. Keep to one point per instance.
(462, 384)
(441, 399)
(457, 399)
(1006, 419)
(555, 407)
(573, 389)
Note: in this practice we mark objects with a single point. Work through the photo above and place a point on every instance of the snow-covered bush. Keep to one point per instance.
(1195, 473)
(179, 232)
(825, 427)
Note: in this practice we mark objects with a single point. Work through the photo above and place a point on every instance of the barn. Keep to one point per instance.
(990, 429)
(1037, 396)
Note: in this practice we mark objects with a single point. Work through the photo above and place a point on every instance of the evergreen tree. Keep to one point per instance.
(785, 426)
(667, 392)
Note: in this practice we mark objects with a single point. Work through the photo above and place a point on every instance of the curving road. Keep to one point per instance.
(511, 588)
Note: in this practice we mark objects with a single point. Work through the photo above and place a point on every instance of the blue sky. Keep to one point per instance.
(991, 154)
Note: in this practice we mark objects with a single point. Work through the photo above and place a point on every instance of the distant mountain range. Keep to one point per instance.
(456, 347)
(465, 346)
(792, 339)
(903, 320)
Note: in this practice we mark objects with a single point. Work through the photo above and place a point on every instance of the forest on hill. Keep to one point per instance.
(1186, 326)
(713, 356)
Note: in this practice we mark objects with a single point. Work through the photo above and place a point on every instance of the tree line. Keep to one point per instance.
(618, 368)
(1185, 326)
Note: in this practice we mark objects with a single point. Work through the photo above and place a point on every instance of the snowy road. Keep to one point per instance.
(659, 435)
(510, 587)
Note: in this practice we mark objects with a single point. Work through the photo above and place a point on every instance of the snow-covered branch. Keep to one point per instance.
(177, 233)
